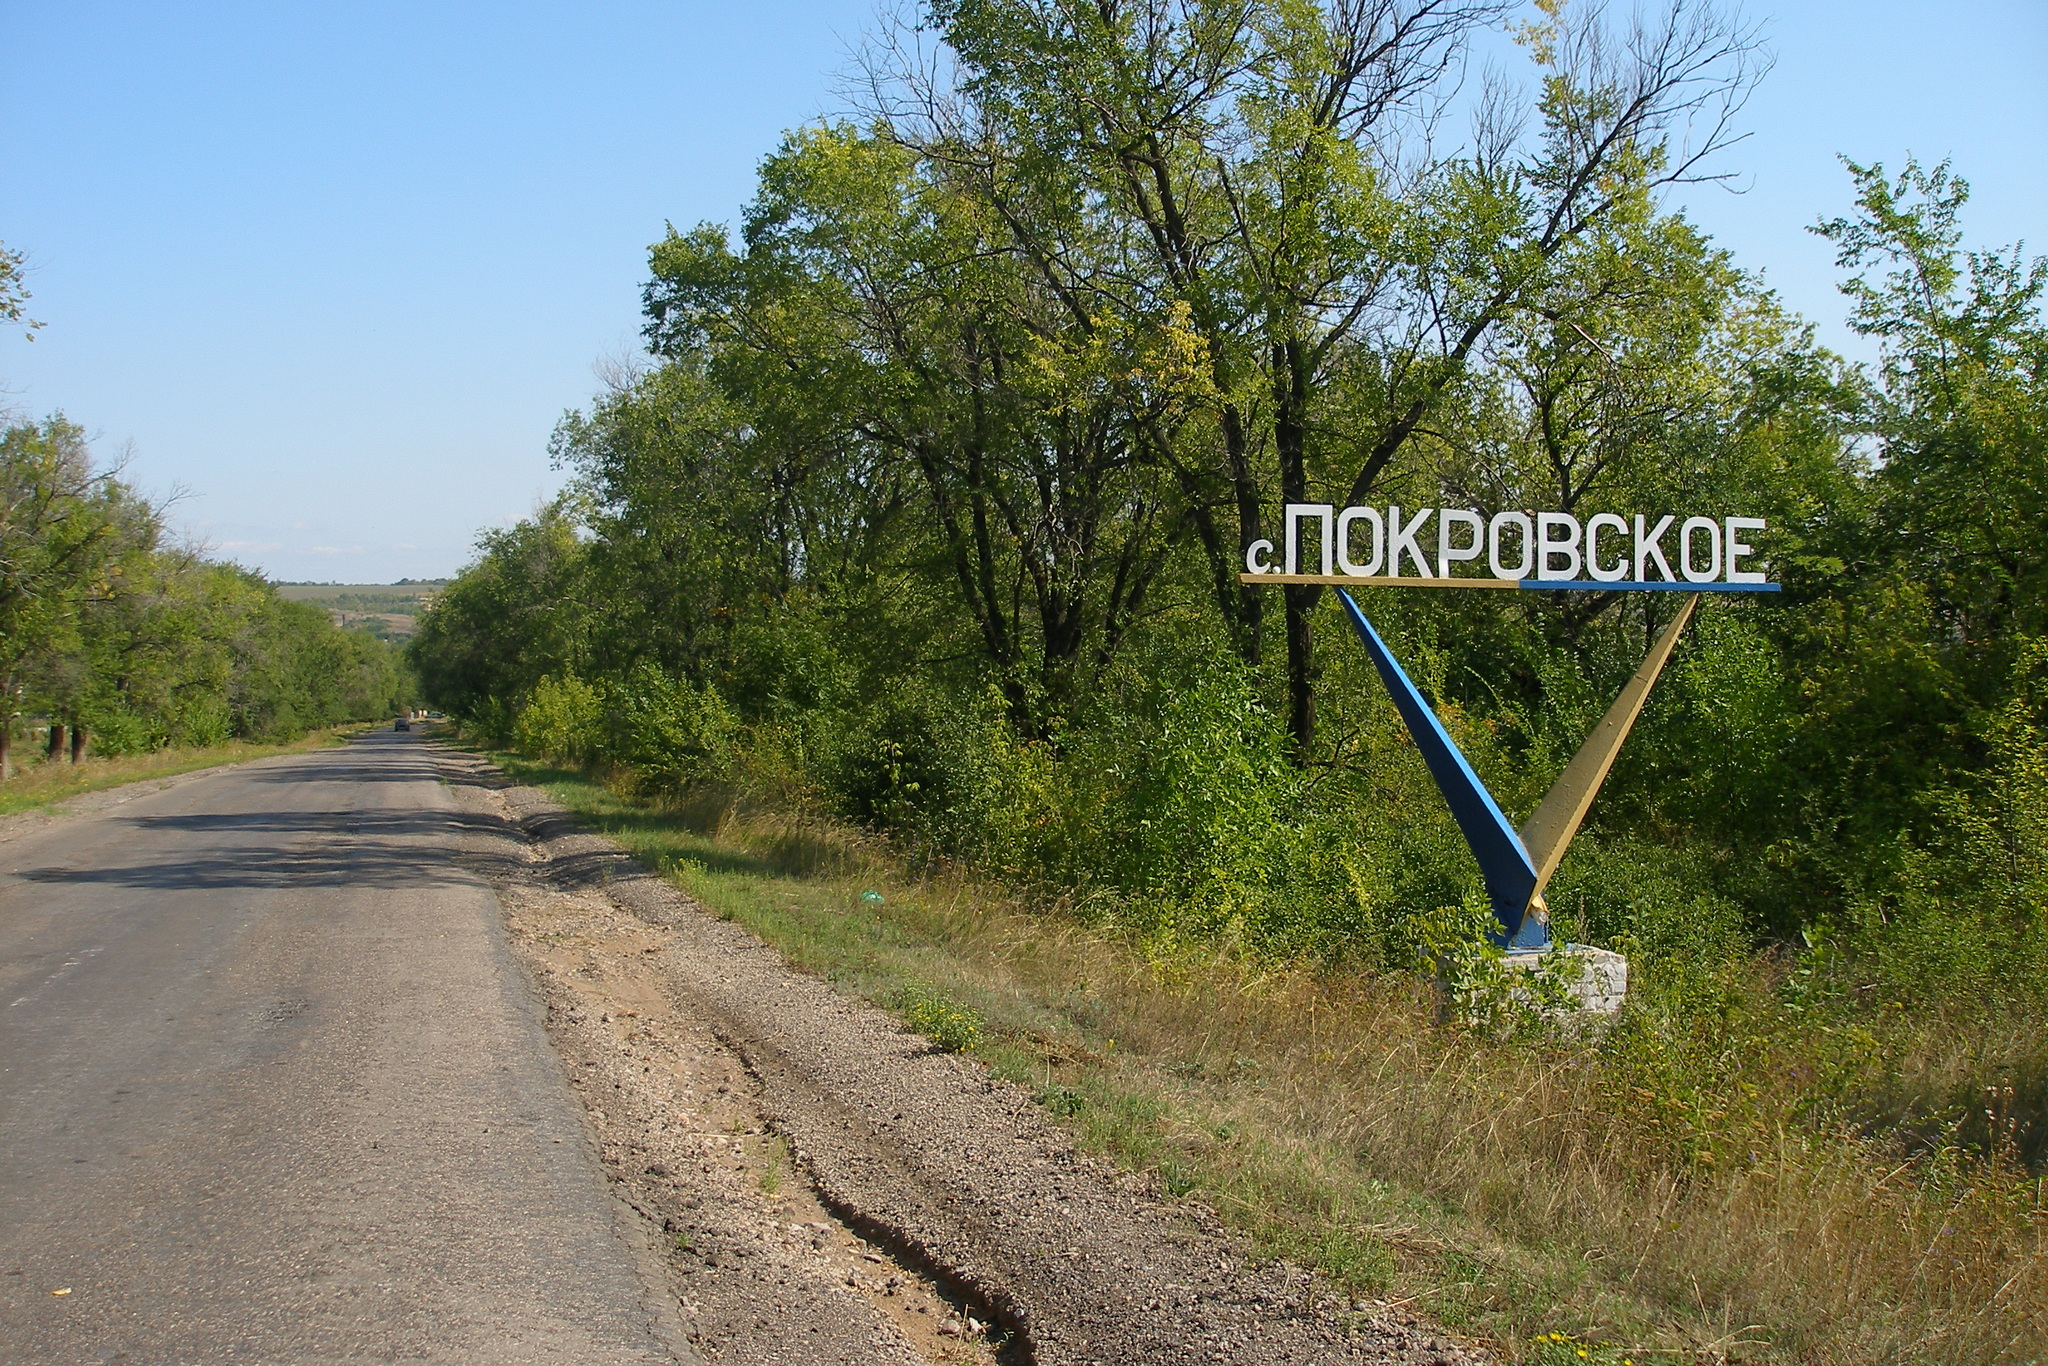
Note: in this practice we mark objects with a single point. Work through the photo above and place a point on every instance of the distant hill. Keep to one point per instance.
(387, 610)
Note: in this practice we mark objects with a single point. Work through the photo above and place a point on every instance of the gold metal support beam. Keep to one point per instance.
(1549, 831)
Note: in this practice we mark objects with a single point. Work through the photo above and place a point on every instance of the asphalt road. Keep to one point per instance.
(273, 1089)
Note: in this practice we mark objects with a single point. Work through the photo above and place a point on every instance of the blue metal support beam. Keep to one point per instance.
(1508, 871)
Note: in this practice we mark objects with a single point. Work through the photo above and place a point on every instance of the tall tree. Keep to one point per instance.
(1272, 168)
(1960, 405)
(886, 328)
(62, 528)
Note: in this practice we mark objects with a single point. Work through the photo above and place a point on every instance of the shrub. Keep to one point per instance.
(670, 732)
(560, 720)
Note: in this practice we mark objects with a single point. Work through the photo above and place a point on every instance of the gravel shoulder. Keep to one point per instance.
(830, 1188)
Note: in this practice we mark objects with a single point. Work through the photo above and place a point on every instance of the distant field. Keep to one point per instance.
(389, 610)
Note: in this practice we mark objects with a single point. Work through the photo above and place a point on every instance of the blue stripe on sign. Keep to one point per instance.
(1645, 585)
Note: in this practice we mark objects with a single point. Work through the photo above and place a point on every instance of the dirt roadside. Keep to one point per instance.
(826, 1187)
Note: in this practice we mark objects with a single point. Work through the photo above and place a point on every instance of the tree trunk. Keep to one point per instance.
(77, 743)
(1247, 621)
(55, 749)
(1290, 440)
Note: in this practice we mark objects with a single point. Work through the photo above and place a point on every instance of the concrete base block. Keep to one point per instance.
(1598, 978)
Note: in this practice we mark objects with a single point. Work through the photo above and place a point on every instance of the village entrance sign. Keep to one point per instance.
(1523, 552)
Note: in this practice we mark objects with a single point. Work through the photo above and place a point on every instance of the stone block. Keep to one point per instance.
(1597, 978)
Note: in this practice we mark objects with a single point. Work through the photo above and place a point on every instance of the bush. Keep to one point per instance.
(671, 733)
(560, 720)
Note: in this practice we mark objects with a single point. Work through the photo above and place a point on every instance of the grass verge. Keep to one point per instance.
(44, 784)
(1502, 1187)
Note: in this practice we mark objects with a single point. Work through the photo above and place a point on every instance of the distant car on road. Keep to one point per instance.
(401, 724)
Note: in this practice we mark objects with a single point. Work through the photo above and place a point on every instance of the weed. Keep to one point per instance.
(953, 1027)
(1063, 1101)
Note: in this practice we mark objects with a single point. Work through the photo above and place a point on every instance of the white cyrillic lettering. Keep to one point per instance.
(1401, 541)
(1322, 512)
(1501, 521)
(1255, 561)
(1736, 549)
(1713, 530)
(1548, 546)
(1446, 518)
(1647, 548)
(1345, 519)
(1593, 567)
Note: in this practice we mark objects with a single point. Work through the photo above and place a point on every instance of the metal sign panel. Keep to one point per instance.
(1516, 865)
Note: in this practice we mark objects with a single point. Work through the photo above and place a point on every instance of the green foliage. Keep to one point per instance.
(495, 632)
(560, 720)
(13, 293)
(1480, 987)
(135, 645)
(667, 733)
(671, 733)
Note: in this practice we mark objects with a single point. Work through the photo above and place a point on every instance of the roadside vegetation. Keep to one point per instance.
(908, 559)
(116, 641)
(1539, 1194)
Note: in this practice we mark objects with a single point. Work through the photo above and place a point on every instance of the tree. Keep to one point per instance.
(1271, 169)
(133, 644)
(1960, 407)
(63, 529)
(885, 340)
(1919, 652)
(14, 291)
(522, 613)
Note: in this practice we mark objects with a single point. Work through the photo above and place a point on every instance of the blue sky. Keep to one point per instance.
(335, 271)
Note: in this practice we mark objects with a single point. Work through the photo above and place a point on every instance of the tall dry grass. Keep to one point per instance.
(1708, 1234)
